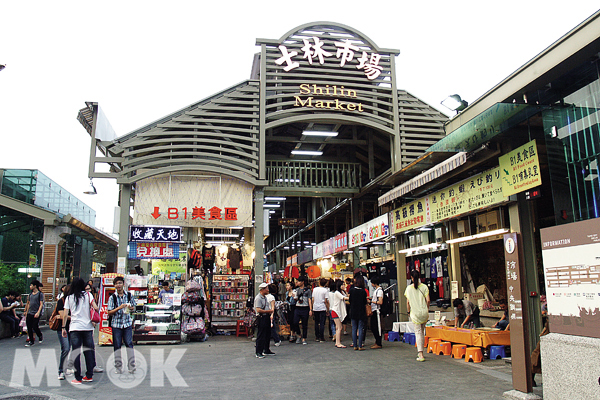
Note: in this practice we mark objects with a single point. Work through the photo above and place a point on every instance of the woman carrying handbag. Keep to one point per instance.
(81, 331)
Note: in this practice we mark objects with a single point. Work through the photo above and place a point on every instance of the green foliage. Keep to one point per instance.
(10, 279)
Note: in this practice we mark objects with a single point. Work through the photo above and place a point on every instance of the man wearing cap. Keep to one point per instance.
(263, 310)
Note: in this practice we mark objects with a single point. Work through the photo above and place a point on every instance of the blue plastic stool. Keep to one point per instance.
(393, 336)
(409, 338)
(497, 351)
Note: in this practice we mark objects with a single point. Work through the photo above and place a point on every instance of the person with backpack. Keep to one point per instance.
(33, 311)
(81, 330)
(417, 303)
(376, 300)
(119, 306)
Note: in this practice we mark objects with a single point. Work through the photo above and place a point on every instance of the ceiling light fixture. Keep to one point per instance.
(454, 103)
(91, 189)
(320, 133)
(307, 153)
(271, 205)
(228, 235)
(275, 198)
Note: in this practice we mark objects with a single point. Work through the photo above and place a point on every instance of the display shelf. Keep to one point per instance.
(158, 322)
(229, 294)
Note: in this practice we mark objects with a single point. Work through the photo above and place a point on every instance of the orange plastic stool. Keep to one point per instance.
(474, 354)
(241, 328)
(459, 350)
(444, 348)
(432, 346)
(425, 343)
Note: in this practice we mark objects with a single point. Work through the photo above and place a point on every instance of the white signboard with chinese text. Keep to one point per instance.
(377, 228)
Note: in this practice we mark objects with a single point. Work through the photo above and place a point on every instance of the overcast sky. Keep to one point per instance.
(142, 60)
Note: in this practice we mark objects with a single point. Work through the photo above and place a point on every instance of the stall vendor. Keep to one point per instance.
(465, 314)
(165, 290)
(504, 323)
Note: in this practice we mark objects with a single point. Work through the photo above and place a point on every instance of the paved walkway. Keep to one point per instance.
(224, 367)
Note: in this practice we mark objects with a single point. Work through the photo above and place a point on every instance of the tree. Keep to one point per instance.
(10, 279)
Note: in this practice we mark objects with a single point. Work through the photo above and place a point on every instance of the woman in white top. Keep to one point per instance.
(417, 303)
(338, 310)
(81, 330)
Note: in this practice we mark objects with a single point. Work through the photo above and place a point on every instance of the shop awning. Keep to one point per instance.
(89, 233)
(431, 174)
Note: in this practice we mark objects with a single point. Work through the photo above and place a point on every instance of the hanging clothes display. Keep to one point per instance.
(208, 258)
(234, 258)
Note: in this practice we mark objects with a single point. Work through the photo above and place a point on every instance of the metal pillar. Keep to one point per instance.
(259, 221)
(124, 200)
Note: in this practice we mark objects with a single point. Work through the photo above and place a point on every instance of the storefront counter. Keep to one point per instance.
(470, 337)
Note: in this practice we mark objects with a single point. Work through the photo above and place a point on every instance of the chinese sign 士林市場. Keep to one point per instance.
(345, 53)
(520, 169)
(477, 192)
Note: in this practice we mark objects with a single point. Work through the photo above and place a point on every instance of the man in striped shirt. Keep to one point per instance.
(119, 306)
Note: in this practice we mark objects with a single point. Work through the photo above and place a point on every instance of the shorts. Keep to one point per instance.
(334, 315)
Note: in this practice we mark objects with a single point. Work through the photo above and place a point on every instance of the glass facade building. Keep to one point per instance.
(33, 187)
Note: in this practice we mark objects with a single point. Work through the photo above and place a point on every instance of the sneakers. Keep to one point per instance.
(299, 340)
(304, 342)
(86, 379)
(317, 340)
(278, 343)
(292, 339)
(69, 371)
(41, 340)
(61, 376)
(98, 369)
(259, 355)
(270, 353)
(29, 344)
(75, 382)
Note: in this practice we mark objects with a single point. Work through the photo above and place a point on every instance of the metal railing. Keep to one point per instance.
(314, 174)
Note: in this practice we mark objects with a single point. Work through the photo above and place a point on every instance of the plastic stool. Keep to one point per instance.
(459, 350)
(474, 354)
(425, 342)
(241, 328)
(444, 348)
(409, 338)
(432, 346)
(497, 351)
(393, 336)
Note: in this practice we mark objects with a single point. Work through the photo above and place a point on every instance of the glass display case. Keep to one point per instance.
(158, 322)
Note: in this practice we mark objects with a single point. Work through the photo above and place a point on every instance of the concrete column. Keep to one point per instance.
(401, 273)
(454, 269)
(259, 200)
(124, 199)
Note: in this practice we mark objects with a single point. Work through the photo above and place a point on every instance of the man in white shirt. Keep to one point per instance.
(320, 309)
(376, 301)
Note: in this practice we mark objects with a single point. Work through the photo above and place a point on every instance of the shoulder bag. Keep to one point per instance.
(55, 321)
(94, 316)
(368, 309)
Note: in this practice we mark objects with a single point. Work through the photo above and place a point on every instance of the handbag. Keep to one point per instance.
(94, 316)
(55, 322)
(369, 310)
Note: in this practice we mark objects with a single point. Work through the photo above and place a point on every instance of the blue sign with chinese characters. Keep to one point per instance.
(160, 234)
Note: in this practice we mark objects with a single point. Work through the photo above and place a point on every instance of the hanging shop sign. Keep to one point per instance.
(194, 201)
(572, 277)
(138, 233)
(340, 242)
(294, 260)
(318, 251)
(410, 216)
(288, 262)
(377, 228)
(139, 250)
(345, 53)
(291, 222)
(305, 256)
(520, 169)
(328, 247)
(479, 191)
(167, 267)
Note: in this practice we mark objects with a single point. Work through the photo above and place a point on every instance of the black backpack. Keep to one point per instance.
(387, 307)
(114, 297)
